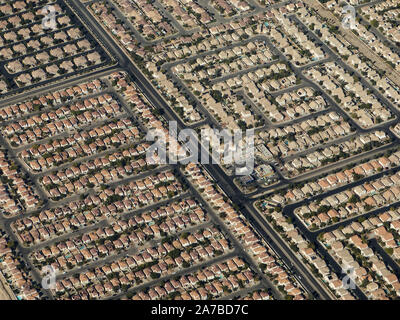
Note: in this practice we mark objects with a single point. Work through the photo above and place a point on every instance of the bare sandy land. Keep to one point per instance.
(5, 291)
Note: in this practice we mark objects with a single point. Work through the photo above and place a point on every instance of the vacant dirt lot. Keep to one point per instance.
(5, 291)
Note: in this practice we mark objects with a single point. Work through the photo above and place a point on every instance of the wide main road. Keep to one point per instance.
(226, 183)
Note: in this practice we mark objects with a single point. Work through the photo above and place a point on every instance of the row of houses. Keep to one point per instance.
(319, 158)
(103, 169)
(213, 282)
(340, 178)
(353, 201)
(163, 259)
(243, 231)
(122, 235)
(79, 144)
(103, 204)
(14, 272)
(15, 111)
(65, 118)
(16, 194)
(304, 135)
(304, 247)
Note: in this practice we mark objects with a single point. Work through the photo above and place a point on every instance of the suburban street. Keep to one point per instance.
(80, 192)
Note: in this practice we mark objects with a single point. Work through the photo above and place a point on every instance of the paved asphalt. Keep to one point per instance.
(225, 182)
(245, 203)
